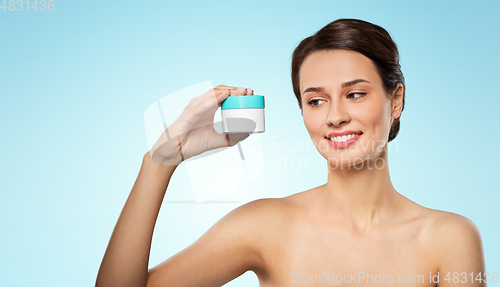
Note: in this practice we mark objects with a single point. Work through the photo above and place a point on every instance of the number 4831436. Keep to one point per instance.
(463, 277)
(13, 5)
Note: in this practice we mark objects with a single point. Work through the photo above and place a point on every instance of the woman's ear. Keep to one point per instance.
(397, 101)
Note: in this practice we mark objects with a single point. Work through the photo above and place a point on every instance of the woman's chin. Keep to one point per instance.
(345, 160)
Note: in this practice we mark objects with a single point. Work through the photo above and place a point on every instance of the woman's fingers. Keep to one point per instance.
(235, 91)
(223, 87)
(206, 105)
(191, 131)
(221, 92)
(222, 95)
(239, 92)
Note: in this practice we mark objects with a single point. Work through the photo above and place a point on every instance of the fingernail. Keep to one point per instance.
(241, 89)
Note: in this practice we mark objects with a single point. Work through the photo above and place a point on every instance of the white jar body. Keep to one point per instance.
(243, 121)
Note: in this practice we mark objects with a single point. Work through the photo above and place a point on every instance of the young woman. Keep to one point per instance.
(354, 229)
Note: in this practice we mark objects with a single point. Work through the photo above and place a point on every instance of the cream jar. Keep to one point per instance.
(243, 114)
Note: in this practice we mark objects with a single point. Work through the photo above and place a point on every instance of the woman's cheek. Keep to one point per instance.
(376, 118)
(310, 121)
(372, 113)
(313, 127)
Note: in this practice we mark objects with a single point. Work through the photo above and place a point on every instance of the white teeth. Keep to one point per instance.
(342, 138)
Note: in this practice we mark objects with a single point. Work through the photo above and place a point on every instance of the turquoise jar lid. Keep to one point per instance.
(243, 102)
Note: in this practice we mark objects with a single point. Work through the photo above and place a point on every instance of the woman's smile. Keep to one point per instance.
(343, 141)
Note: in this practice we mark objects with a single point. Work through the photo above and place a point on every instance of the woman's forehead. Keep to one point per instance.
(334, 67)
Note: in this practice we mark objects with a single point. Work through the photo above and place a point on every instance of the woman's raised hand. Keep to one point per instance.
(193, 133)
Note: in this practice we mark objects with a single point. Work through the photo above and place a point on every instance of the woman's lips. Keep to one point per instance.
(344, 144)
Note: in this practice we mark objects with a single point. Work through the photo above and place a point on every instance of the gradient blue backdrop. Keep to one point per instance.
(75, 82)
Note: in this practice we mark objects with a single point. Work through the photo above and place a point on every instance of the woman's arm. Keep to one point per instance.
(228, 249)
(221, 254)
(125, 261)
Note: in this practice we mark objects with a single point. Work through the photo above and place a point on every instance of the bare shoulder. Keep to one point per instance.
(449, 224)
(455, 242)
(265, 210)
(279, 207)
(265, 218)
(450, 232)
(439, 223)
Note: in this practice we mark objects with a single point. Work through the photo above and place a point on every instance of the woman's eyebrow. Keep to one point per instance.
(346, 84)
(314, 89)
(353, 82)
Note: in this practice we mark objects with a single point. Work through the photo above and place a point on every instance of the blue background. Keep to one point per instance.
(75, 83)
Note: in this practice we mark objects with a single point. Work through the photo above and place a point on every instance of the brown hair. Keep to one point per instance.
(359, 36)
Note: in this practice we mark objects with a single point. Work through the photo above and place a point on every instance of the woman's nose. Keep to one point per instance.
(338, 114)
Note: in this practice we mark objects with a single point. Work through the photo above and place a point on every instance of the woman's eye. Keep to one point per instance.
(361, 95)
(314, 101)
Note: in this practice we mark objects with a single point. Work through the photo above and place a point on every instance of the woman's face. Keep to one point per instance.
(342, 91)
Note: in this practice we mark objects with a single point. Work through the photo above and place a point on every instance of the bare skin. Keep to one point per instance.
(357, 222)
(417, 242)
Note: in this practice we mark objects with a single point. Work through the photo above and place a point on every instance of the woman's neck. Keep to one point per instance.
(360, 197)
